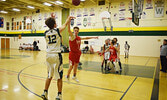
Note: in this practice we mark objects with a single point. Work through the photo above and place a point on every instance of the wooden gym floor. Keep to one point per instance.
(23, 73)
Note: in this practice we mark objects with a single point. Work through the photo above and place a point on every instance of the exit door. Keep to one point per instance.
(5, 43)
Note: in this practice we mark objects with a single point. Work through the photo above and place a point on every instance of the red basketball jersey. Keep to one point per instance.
(75, 45)
(113, 52)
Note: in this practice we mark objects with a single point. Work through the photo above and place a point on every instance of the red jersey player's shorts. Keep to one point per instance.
(74, 57)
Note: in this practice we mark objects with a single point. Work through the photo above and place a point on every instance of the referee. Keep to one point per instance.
(163, 56)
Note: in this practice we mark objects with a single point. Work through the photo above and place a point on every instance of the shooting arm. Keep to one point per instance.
(65, 24)
(69, 31)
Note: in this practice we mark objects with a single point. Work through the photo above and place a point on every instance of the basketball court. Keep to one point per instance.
(23, 72)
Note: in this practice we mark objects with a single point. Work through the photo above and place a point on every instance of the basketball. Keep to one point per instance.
(76, 2)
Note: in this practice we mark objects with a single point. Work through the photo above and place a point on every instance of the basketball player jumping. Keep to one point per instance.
(75, 52)
(54, 57)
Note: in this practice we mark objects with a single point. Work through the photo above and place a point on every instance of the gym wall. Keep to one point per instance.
(144, 41)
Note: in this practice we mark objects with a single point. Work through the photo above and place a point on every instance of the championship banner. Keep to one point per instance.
(149, 4)
(72, 12)
(79, 13)
(122, 11)
(92, 12)
(85, 13)
(85, 22)
(130, 6)
(122, 6)
(159, 9)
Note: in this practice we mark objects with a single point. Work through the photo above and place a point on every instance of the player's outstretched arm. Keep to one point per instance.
(69, 31)
(66, 23)
(86, 38)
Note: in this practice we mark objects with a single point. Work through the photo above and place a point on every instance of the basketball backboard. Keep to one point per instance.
(137, 11)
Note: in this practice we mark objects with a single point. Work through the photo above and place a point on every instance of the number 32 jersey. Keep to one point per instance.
(53, 41)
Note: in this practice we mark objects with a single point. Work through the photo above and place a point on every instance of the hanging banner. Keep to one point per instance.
(79, 13)
(121, 16)
(122, 6)
(72, 12)
(40, 17)
(45, 16)
(159, 9)
(130, 6)
(85, 22)
(89, 21)
(92, 12)
(85, 13)
(149, 4)
(79, 21)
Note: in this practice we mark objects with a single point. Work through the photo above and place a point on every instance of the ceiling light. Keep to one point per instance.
(31, 7)
(5, 12)
(14, 9)
(2, 0)
(82, 0)
(47, 4)
(59, 2)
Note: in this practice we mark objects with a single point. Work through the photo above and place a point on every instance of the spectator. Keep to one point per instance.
(35, 45)
(163, 56)
(91, 50)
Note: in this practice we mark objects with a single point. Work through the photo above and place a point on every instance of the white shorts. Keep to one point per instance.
(126, 51)
(55, 65)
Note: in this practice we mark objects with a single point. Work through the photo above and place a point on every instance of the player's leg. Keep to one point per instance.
(70, 69)
(116, 66)
(47, 84)
(60, 85)
(120, 65)
(49, 60)
(75, 72)
(59, 73)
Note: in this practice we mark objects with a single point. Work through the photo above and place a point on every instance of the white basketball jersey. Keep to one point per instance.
(106, 54)
(53, 41)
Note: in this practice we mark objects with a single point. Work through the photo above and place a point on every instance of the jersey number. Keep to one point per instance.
(52, 39)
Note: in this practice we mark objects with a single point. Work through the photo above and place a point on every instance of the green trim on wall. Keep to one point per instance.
(115, 33)
(125, 33)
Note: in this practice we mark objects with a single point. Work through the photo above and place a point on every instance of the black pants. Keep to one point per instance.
(163, 62)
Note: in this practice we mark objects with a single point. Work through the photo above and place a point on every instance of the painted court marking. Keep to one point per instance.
(128, 88)
(38, 77)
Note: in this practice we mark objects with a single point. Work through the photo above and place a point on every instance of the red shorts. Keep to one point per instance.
(113, 58)
(74, 57)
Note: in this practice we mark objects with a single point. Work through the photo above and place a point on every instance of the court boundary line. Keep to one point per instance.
(155, 90)
(18, 77)
(128, 88)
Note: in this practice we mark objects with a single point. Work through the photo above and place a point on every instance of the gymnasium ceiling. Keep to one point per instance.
(8, 5)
